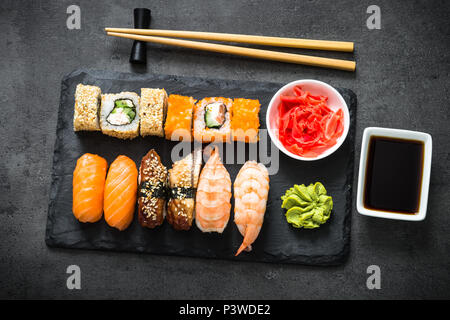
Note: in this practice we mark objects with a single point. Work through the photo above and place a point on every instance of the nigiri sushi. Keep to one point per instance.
(152, 190)
(88, 184)
(120, 193)
(251, 189)
(212, 120)
(212, 202)
(183, 179)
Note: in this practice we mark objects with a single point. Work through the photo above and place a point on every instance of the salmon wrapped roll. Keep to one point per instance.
(120, 193)
(88, 185)
(183, 180)
(152, 190)
(179, 118)
(245, 120)
(212, 120)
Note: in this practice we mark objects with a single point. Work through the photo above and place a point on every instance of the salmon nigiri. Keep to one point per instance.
(88, 184)
(212, 209)
(120, 193)
(251, 189)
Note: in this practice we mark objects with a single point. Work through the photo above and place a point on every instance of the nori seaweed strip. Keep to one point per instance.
(182, 193)
(155, 191)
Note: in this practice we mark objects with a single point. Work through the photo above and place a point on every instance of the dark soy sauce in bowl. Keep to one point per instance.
(394, 172)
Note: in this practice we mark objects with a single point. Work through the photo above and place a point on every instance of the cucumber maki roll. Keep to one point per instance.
(119, 115)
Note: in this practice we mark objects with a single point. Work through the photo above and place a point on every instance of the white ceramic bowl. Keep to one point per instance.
(335, 102)
(400, 134)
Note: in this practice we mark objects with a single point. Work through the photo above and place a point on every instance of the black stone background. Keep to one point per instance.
(277, 242)
(401, 81)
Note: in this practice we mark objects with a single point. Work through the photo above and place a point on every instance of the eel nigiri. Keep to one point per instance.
(183, 180)
(152, 190)
(120, 193)
(88, 184)
(212, 202)
(251, 189)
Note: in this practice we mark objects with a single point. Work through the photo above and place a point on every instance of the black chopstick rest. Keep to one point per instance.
(142, 17)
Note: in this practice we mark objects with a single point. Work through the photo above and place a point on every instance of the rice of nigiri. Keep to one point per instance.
(88, 184)
(120, 193)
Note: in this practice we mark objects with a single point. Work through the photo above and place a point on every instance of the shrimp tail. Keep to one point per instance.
(241, 248)
(251, 233)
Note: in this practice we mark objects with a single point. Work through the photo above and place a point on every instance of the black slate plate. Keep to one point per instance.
(277, 242)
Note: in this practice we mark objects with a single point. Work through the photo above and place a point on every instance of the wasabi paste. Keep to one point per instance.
(307, 206)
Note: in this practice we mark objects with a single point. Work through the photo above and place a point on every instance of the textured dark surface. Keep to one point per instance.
(277, 242)
(402, 81)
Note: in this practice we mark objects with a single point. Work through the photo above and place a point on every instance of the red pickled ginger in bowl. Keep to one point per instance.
(305, 123)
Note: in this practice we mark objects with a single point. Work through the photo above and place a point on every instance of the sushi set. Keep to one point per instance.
(117, 186)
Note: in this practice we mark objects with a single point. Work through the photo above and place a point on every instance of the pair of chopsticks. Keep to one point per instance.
(159, 36)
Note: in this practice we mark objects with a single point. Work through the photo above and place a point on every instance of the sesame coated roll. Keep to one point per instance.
(153, 112)
(86, 109)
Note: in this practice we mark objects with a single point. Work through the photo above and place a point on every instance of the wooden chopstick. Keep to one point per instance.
(247, 52)
(241, 38)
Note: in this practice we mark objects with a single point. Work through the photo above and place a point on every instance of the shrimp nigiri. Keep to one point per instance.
(88, 184)
(212, 209)
(120, 193)
(251, 189)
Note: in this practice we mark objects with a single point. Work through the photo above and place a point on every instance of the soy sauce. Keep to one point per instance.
(393, 175)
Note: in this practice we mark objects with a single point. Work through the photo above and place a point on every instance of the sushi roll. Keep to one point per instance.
(119, 115)
(245, 120)
(179, 118)
(152, 190)
(183, 180)
(88, 184)
(212, 120)
(120, 193)
(87, 107)
(152, 112)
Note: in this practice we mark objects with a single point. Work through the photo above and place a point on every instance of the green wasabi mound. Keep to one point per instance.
(307, 206)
